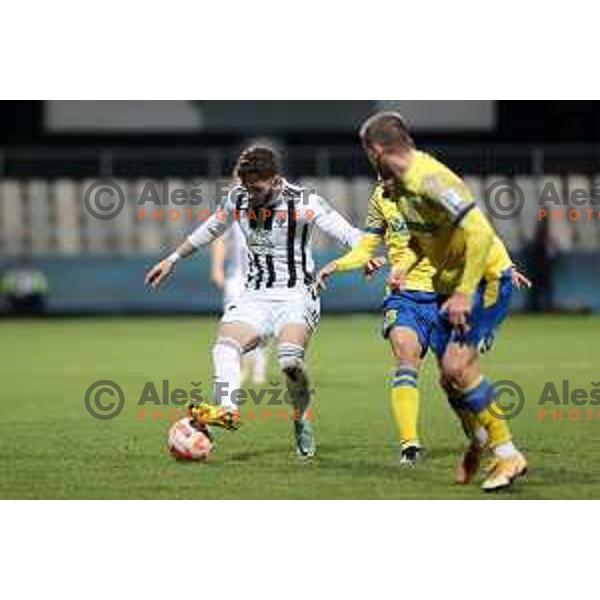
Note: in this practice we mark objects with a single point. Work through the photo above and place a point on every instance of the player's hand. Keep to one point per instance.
(396, 280)
(374, 266)
(520, 281)
(323, 275)
(158, 273)
(458, 307)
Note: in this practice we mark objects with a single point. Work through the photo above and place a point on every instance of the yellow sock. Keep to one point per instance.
(476, 400)
(405, 405)
(497, 429)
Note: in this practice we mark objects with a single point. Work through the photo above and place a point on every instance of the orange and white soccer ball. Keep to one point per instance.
(186, 442)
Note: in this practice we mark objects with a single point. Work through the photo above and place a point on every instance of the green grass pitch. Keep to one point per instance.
(50, 447)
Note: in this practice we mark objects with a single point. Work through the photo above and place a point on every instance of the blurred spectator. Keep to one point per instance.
(539, 256)
(25, 288)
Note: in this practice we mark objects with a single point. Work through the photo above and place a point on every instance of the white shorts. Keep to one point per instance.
(268, 311)
(234, 287)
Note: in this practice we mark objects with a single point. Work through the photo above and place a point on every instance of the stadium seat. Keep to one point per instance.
(340, 193)
(42, 226)
(508, 228)
(122, 230)
(68, 225)
(175, 228)
(361, 189)
(94, 230)
(13, 218)
(475, 185)
(528, 219)
(561, 229)
(50, 217)
(148, 236)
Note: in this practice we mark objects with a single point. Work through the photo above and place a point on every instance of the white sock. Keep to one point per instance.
(259, 364)
(505, 450)
(227, 366)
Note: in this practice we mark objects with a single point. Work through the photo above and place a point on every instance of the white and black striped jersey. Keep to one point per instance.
(278, 235)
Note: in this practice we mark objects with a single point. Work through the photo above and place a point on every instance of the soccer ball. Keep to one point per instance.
(186, 442)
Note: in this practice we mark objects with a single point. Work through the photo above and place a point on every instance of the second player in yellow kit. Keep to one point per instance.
(409, 311)
(473, 277)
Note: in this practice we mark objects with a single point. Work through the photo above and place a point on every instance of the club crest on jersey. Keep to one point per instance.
(259, 241)
(398, 225)
(389, 318)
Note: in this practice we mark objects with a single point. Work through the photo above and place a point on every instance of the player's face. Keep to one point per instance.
(261, 191)
(390, 166)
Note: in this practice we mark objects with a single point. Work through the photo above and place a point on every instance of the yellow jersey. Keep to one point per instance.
(447, 228)
(385, 224)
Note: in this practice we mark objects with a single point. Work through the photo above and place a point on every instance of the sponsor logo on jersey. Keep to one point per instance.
(259, 241)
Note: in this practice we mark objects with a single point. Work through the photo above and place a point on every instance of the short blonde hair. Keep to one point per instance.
(389, 129)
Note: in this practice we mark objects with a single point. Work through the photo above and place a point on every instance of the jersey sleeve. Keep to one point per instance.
(217, 224)
(361, 254)
(372, 238)
(479, 237)
(449, 192)
(330, 222)
(452, 195)
(375, 222)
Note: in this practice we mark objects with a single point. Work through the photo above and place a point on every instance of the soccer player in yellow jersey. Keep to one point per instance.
(410, 310)
(473, 278)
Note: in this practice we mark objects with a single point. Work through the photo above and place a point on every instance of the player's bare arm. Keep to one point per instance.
(217, 271)
(162, 269)
(203, 235)
(324, 274)
(373, 266)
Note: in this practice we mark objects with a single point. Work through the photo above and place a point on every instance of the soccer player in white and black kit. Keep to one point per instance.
(277, 220)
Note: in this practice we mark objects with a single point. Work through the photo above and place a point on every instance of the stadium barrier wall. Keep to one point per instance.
(115, 285)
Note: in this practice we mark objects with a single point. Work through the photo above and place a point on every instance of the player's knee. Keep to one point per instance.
(291, 359)
(406, 347)
(455, 376)
(407, 354)
(226, 349)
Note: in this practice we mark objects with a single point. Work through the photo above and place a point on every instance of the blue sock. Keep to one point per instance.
(477, 398)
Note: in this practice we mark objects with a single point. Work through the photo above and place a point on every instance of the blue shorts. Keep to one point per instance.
(490, 307)
(416, 310)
